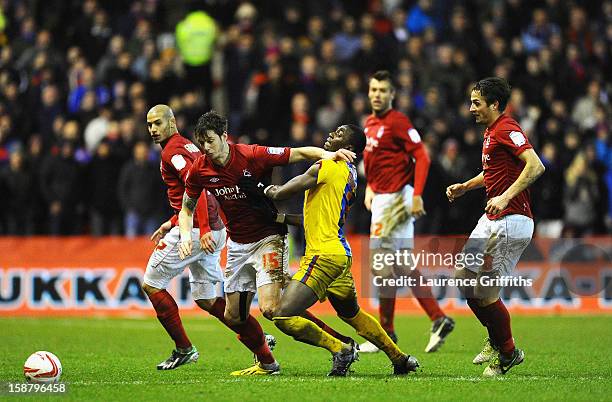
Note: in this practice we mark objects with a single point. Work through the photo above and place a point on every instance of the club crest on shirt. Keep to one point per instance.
(414, 135)
(246, 173)
(178, 161)
(517, 138)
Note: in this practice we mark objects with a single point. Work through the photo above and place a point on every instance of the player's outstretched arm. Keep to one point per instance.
(455, 191)
(314, 154)
(297, 185)
(185, 225)
(531, 171)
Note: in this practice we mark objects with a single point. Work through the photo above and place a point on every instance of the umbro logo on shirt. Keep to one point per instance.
(214, 180)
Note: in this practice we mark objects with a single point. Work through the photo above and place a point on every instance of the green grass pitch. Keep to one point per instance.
(567, 358)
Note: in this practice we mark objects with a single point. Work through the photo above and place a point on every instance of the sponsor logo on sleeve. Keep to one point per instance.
(178, 161)
(192, 148)
(414, 135)
(517, 138)
(276, 150)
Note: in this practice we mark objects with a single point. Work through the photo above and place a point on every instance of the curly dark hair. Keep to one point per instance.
(212, 121)
(494, 89)
(358, 138)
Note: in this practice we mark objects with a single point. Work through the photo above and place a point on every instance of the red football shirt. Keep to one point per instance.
(503, 142)
(178, 154)
(391, 142)
(244, 224)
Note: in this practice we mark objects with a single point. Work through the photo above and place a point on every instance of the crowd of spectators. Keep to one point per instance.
(77, 78)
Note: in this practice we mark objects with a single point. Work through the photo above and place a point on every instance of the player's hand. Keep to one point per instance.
(184, 249)
(369, 196)
(340, 155)
(161, 232)
(418, 209)
(455, 191)
(207, 242)
(496, 205)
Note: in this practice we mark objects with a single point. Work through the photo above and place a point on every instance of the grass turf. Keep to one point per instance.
(567, 358)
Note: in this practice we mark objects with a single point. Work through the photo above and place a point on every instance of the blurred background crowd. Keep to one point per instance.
(77, 79)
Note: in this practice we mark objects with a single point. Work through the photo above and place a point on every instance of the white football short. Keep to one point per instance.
(204, 269)
(402, 236)
(499, 243)
(252, 265)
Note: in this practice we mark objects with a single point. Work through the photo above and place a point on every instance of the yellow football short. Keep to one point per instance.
(327, 274)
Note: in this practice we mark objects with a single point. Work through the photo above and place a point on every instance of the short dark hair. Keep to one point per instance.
(494, 89)
(210, 121)
(358, 138)
(383, 75)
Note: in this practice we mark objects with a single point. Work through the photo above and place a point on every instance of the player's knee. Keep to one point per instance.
(232, 319)
(205, 304)
(345, 308)
(463, 274)
(149, 290)
(384, 272)
(270, 311)
(284, 311)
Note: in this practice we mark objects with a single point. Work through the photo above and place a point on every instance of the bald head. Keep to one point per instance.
(161, 123)
(162, 110)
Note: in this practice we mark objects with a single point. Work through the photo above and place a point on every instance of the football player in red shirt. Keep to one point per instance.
(178, 154)
(509, 167)
(396, 166)
(257, 249)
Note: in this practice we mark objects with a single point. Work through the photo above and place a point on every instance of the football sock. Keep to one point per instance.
(252, 336)
(386, 311)
(477, 310)
(306, 331)
(168, 315)
(370, 329)
(425, 298)
(249, 333)
(481, 314)
(309, 316)
(499, 319)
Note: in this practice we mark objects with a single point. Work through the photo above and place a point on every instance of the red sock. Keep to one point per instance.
(386, 311)
(311, 317)
(168, 315)
(425, 298)
(477, 310)
(252, 336)
(498, 318)
(482, 316)
(249, 333)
